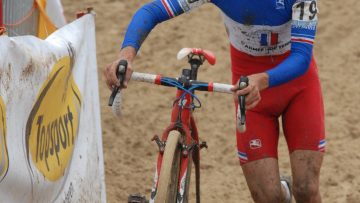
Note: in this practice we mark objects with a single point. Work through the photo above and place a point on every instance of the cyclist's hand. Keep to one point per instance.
(257, 82)
(112, 81)
(110, 75)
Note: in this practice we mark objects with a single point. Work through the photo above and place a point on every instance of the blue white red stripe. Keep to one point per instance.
(168, 8)
(322, 145)
(302, 39)
(243, 157)
(269, 39)
(303, 35)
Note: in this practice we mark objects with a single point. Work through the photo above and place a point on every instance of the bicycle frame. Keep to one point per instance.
(187, 127)
(182, 119)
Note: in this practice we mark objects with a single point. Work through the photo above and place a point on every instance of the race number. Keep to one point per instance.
(305, 10)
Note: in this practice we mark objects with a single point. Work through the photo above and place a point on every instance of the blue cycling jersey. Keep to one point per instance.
(257, 28)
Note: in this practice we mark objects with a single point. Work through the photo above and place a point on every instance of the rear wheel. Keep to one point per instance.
(169, 175)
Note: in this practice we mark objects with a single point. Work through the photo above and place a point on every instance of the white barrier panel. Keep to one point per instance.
(55, 12)
(50, 132)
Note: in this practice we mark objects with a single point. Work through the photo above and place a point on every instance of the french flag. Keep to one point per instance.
(269, 39)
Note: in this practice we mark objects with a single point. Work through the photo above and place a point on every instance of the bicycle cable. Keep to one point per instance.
(186, 91)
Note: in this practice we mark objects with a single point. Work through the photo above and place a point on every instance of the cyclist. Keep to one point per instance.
(271, 43)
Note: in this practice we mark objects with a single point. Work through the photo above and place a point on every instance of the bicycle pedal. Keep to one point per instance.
(137, 198)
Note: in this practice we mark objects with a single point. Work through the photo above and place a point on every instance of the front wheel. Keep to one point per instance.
(169, 174)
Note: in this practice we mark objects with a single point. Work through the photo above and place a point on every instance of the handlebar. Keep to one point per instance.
(200, 86)
(188, 85)
(115, 98)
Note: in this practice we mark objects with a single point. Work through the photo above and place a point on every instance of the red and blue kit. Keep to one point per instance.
(272, 36)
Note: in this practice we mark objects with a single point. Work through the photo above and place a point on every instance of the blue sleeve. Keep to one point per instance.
(153, 13)
(304, 22)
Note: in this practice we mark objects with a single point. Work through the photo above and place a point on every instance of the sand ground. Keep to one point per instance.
(129, 153)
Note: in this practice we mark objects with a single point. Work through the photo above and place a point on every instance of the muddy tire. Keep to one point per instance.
(169, 175)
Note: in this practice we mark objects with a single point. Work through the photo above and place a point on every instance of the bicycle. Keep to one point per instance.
(179, 146)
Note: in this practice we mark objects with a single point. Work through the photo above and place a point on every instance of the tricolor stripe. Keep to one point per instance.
(303, 40)
(303, 35)
(168, 8)
(269, 39)
(243, 157)
(322, 145)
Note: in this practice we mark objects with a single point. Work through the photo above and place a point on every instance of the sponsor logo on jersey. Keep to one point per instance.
(255, 144)
(4, 157)
(280, 4)
(52, 126)
(259, 40)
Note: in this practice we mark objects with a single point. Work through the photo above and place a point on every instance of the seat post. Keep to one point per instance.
(195, 64)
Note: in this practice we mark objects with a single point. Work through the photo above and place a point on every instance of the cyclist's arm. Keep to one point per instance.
(144, 20)
(304, 22)
(151, 14)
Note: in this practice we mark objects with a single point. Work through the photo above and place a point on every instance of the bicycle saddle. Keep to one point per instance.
(208, 55)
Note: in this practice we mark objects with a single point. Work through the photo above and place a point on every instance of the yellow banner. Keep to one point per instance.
(45, 27)
(4, 157)
(52, 127)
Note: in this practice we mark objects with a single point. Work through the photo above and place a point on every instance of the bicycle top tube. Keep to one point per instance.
(174, 82)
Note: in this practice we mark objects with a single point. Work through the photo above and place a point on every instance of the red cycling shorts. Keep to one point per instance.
(298, 103)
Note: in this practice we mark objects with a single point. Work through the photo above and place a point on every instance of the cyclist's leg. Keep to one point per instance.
(305, 165)
(303, 123)
(263, 180)
(257, 150)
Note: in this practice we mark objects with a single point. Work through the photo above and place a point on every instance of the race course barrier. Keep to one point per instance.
(50, 126)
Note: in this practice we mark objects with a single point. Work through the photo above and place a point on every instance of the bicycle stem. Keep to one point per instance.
(195, 64)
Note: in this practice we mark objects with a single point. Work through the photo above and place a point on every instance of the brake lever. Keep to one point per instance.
(243, 83)
(120, 74)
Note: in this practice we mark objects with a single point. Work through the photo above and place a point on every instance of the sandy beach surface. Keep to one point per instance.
(130, 155)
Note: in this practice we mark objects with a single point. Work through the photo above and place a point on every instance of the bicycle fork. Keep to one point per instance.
(194, 150)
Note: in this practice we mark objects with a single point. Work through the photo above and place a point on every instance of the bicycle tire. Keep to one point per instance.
(169, 175)
(187, 183)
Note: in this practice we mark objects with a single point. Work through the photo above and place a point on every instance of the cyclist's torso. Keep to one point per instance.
(258, 28)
